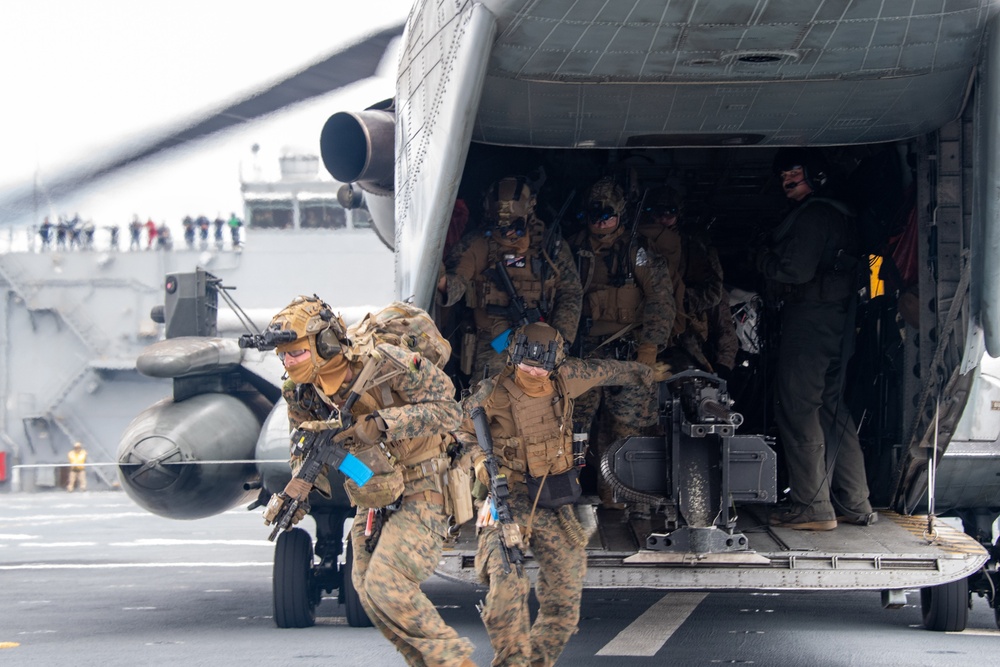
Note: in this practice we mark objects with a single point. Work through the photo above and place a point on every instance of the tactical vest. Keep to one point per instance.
(543, 444)
(609, 300)
(524, 274)
(667, 243)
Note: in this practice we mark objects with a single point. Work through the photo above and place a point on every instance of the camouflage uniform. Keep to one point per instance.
(722, 344)
(556, 538)
(817, 330)
(558, 297)
(418, 408)
(650, 310)
(696, 273)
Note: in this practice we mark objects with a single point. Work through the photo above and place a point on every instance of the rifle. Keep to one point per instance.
(511, 544)
(517, 312)
(550, 246)
(318, 449)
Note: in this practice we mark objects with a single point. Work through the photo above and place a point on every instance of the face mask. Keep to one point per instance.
(332, 374)
(533, 385)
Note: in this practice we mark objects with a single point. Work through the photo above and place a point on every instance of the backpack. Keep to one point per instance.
(405, 325)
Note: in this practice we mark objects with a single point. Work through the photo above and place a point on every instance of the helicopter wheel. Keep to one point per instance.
(946, 607)
(295, 596)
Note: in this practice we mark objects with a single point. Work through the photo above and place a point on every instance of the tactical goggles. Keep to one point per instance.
(515, 227)
(598, 212)
(662, 210)
(291, 353)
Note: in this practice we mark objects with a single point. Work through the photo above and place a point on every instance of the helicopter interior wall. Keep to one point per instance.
(733, 194)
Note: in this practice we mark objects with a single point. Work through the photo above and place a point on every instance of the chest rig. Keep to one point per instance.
(543, 445)
(611, 294)
(526, 273)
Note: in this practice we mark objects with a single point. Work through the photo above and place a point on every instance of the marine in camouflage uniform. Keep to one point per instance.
(695, 271)
(628, 313)
(812, 261)
(401, 425)
(528, 406)
(540, 266)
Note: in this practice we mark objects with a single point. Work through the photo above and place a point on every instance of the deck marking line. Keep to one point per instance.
(648, 633)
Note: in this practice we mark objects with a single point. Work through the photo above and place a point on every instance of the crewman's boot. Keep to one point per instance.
(803, 517)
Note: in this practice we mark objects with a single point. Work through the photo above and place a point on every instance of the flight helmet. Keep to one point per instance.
(509, 206)
(814, 168)
(537, 344)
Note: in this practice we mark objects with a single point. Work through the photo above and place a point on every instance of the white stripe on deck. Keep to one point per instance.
(648, 633)
(120, 566)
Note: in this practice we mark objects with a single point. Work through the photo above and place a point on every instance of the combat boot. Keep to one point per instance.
(803, 517)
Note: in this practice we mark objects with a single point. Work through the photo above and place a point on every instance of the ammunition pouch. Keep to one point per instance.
(380, 491)
(554, 491)
(615, 304)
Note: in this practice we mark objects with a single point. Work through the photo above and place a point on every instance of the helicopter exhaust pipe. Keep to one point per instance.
(359, 147)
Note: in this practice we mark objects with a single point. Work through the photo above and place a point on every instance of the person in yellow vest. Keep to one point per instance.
(77, 472)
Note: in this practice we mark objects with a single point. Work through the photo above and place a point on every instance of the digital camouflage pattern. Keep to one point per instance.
(562, 565)
(388, 583)
(416, 402)
(556, 547)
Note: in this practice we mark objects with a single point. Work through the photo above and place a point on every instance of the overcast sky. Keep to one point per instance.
(82, 78)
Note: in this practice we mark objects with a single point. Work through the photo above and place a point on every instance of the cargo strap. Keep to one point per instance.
(427, 496)
(425, 469)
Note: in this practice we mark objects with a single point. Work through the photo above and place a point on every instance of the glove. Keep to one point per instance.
(300, 512)
(646, 354)
(662, 371)
(277, 504)
(481, 474)
(298, 489)
(366, 432)
(317, 426)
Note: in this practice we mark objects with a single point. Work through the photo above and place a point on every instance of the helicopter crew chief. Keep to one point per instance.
(539, 264)
(529, 407)
(813, 262)
(628, 312)
(406, 410)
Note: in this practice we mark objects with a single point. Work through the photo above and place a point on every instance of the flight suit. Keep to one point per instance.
(419, 410)
(533, 435)
(558, 297)
(813, 263)
(626, 289)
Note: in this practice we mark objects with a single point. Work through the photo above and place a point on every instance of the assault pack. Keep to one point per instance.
(401, 324)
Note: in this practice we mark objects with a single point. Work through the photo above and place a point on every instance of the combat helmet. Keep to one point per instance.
(315, 325)
(663, 201)
(509, 206)
(537, 344)
(605, 197)
(814, 168)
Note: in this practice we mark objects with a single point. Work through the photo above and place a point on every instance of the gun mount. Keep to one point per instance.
(697, 471)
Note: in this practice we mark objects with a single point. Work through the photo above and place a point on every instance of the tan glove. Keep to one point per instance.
(368, 431)
(317, 426)
(646, 354)
(481, 473)
(298, 489)
(662, 371)
(300, 512)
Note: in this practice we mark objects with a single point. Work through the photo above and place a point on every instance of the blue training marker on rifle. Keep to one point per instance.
(499, 344)
(353, 467)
